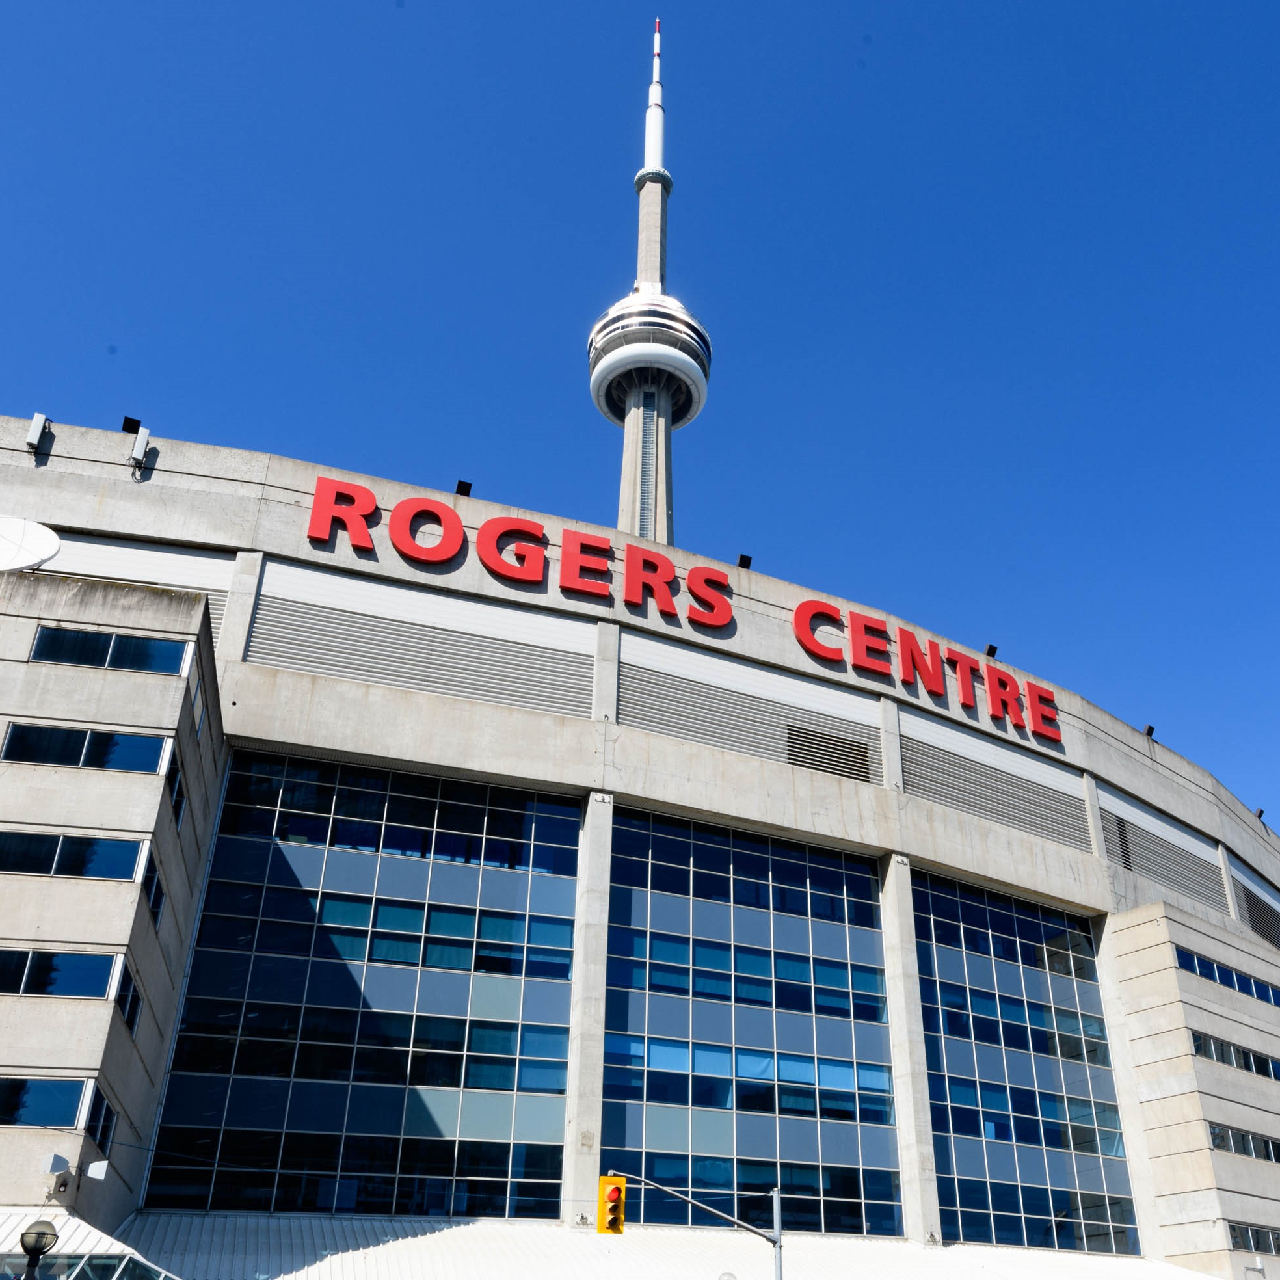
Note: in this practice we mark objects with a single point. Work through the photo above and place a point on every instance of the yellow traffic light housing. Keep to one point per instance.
(611, 1206)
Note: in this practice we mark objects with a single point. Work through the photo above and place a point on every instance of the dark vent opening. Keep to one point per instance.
(812, 749)
(1261, 917)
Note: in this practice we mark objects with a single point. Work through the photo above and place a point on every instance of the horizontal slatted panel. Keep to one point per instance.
(1139, 850)
(1257, 899)
(987, 792)
(1261, 917)
(683, 708)
(217, 607)
(355, 646)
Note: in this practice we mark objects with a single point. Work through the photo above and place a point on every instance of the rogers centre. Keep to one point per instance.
(381, 868)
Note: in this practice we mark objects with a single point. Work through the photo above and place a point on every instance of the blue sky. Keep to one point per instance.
(992, 287)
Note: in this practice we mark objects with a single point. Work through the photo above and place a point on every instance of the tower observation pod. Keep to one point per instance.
(649, 358)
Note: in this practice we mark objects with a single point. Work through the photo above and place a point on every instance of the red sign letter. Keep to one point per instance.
(1044, 715)
(648, 571)
(452, 536)
(965, 667)
(575, 560)
(810, 614)
(353, 511)
(868, 637)
(912, 662)
(1002, 695)
(707, 587)
(529, 557)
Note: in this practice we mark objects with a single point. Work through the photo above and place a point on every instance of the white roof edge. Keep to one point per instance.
(329, 1247)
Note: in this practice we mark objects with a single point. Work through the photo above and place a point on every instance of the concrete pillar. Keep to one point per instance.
(1149, 1089)
(1224, 862)
(237, 617)
(890, 745)
(1093, 816)
(920, 1221)
(604, 687)
(585, 1091)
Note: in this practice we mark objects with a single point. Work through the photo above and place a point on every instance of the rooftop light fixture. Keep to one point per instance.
(463, 489)
(744, 562)
(38, 423)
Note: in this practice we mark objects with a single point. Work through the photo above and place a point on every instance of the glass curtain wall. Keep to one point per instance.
(746, 1045)
(1026, 1130)
(376, 1019)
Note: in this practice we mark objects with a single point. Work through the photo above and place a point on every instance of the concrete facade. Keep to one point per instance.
(575, 710)
(49, 1036)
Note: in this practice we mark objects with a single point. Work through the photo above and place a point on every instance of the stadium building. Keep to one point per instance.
(380, 867)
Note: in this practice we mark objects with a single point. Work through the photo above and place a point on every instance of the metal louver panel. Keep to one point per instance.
(1139, 850)
(987, 792)
(1261, 917)
(324, 640)
(1257, 900)
(1152, 844)
(683, 708)
(217, 607)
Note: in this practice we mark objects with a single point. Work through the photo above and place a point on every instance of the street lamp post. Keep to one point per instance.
(36, 1241)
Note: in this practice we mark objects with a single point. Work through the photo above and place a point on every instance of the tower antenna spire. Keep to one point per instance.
(649, 358)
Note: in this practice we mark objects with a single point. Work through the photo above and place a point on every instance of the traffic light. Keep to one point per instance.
(611, 1206)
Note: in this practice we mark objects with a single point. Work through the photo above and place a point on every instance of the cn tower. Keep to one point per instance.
(649, 358)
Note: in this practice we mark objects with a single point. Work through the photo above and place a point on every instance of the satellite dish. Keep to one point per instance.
(25, 544)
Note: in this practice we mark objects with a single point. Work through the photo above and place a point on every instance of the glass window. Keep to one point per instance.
(347, 1084)
(174, 789)
(28, 852)
(105, 649)
(97, 857)
(47, 1103)
(982, 1081)
(744, 991)
(124, 752)
(44, 744)
(67, 973)
(129, 999)
(152, 889)
(78, 648)
(101, 1124)
(145, 653)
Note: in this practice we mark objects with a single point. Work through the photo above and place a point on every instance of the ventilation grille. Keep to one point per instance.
(356, 646)
(1147, 854)
(682, 708)
(987, 792)
(217, 607)
(813, 749)
(1258, 913)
